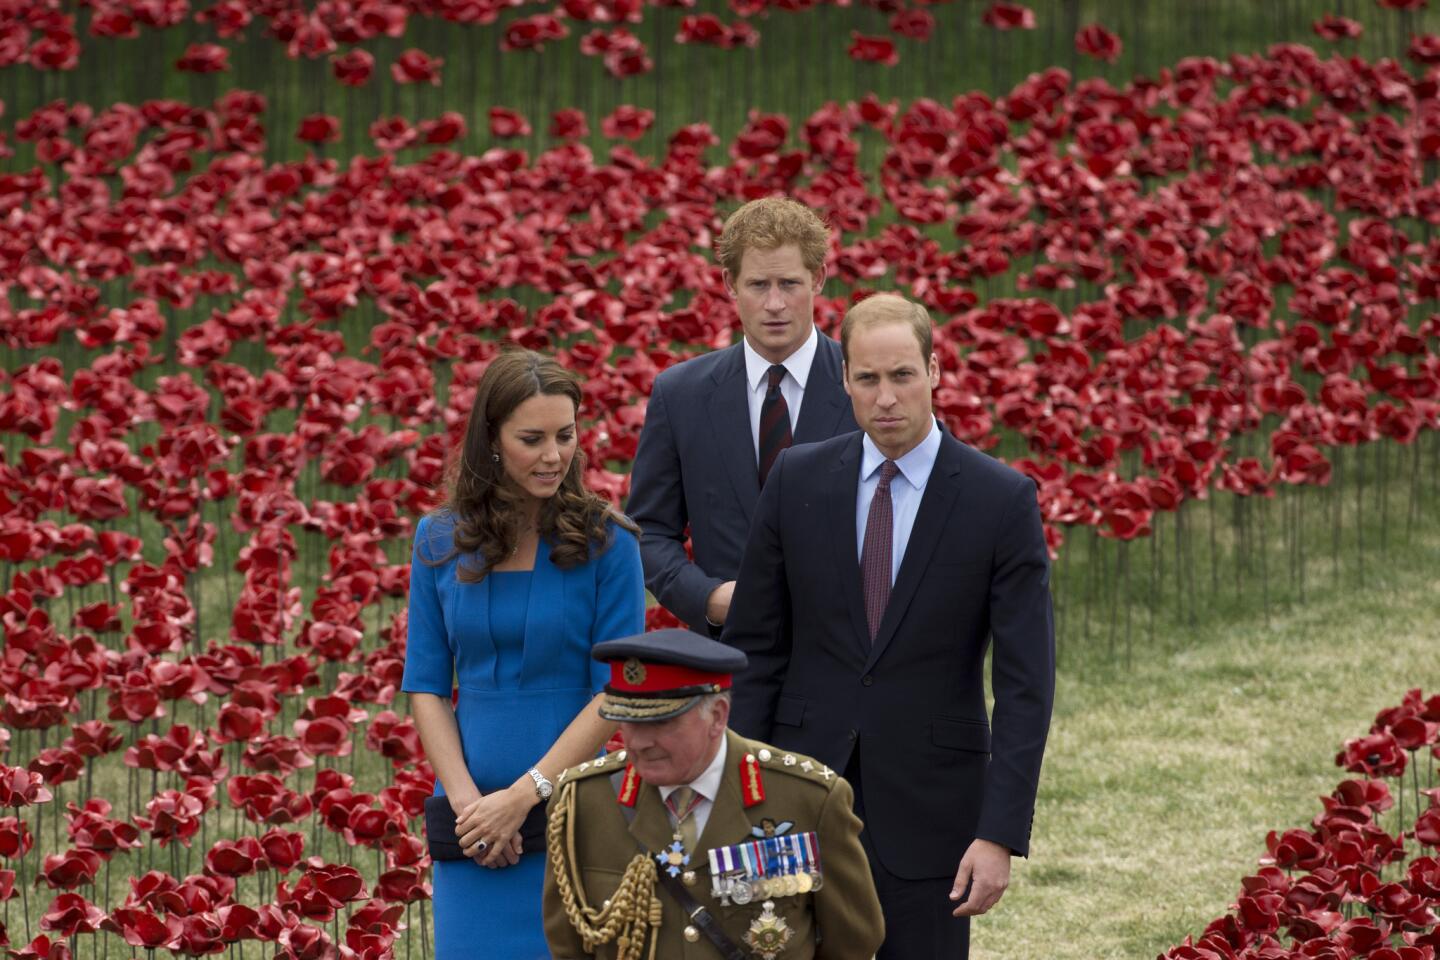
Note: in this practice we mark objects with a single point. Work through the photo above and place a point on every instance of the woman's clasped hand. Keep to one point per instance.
(480, 821)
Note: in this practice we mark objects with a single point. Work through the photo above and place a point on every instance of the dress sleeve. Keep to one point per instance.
(429, 663)
(619, 597)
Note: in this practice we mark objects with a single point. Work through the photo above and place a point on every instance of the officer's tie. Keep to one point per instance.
(875, 554)
(774, 422)
(681, 803)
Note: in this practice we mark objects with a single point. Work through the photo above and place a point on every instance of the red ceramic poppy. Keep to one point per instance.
(319, 128)
(204, 58)
(69, 870)
(627, 122)
(506, 123)
(1333, 28)
(1008, 16)
(879, 50)
(142, 928)
(43, 948)
(21, 788)
(15, 838)
(91, 829)
(416, 66)
(353, 68)
(172, 815)
(1093, 40)
(532, 33)
(282, 849)
(446, 128)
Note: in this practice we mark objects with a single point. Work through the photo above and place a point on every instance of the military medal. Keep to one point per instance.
(804, 883)
(673, 858)
(740, 891)
(768, 934)
(719, 883)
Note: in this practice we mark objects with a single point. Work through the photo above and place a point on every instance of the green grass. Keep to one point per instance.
(1161, 781)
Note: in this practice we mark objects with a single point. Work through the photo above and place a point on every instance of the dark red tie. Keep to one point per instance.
(774, 422)
(875, 554)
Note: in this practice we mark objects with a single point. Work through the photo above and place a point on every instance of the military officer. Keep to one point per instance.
(694, 842)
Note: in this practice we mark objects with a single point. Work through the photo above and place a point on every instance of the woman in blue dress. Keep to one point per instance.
(511, 583)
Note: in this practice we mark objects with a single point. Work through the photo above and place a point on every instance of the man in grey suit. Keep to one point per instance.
(716, 423)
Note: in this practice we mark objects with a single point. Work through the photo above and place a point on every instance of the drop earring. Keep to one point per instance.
(495, 457)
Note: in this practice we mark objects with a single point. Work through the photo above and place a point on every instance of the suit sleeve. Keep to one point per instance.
(1022, 672)
(847, 910)
(657, 504)
(429, 662)
(619, 597)
(759, 620)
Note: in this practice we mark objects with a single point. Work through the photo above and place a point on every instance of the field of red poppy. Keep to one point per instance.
(255, 256)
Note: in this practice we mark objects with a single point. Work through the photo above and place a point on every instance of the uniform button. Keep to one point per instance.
(691, 934)
(867, 680)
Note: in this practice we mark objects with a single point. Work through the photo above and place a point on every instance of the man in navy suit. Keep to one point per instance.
(880, 566)
(716, 423)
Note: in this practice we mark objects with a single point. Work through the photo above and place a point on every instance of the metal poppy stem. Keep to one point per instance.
(20, 873)
(1110, 585)
(1412, 514)
(1214, 556)
(1336, 499)
(1382, 452)
(1264, 568)
(1090, 577)
(1360, 512)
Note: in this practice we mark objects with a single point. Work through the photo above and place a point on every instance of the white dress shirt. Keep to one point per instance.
(906, 489)
(706, 786)
(792, 386)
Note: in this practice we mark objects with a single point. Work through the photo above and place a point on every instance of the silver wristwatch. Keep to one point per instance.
(543, 787)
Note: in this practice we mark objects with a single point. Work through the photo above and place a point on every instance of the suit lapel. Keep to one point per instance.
(940, 493)
(730, 426)
(727, 823)
(825, 400)
(844, 484)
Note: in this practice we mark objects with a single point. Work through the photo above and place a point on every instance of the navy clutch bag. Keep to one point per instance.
(445, 845)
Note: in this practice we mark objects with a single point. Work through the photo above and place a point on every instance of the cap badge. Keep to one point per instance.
(634, 672)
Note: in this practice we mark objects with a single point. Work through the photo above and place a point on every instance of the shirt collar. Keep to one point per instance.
(708, 783)
(915, 466)
(797, 364)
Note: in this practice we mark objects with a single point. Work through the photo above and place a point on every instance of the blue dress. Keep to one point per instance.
(518, 644)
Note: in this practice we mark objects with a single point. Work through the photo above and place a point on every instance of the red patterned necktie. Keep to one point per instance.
(774, 422)
(875, 554)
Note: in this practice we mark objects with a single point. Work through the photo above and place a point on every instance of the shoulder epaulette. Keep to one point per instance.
(795, 764)
(610, 763)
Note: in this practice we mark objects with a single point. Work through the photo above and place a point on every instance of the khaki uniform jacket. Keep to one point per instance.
(841, 921)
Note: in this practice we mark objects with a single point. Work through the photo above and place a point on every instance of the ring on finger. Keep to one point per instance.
(481, 846)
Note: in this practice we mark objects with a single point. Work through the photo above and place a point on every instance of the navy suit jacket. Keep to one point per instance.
(695, 467)
(935, 773)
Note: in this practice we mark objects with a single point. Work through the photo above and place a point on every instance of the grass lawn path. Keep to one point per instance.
(1160, 783)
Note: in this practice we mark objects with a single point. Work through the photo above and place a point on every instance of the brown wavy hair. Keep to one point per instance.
(485, 505)
(770, 223)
